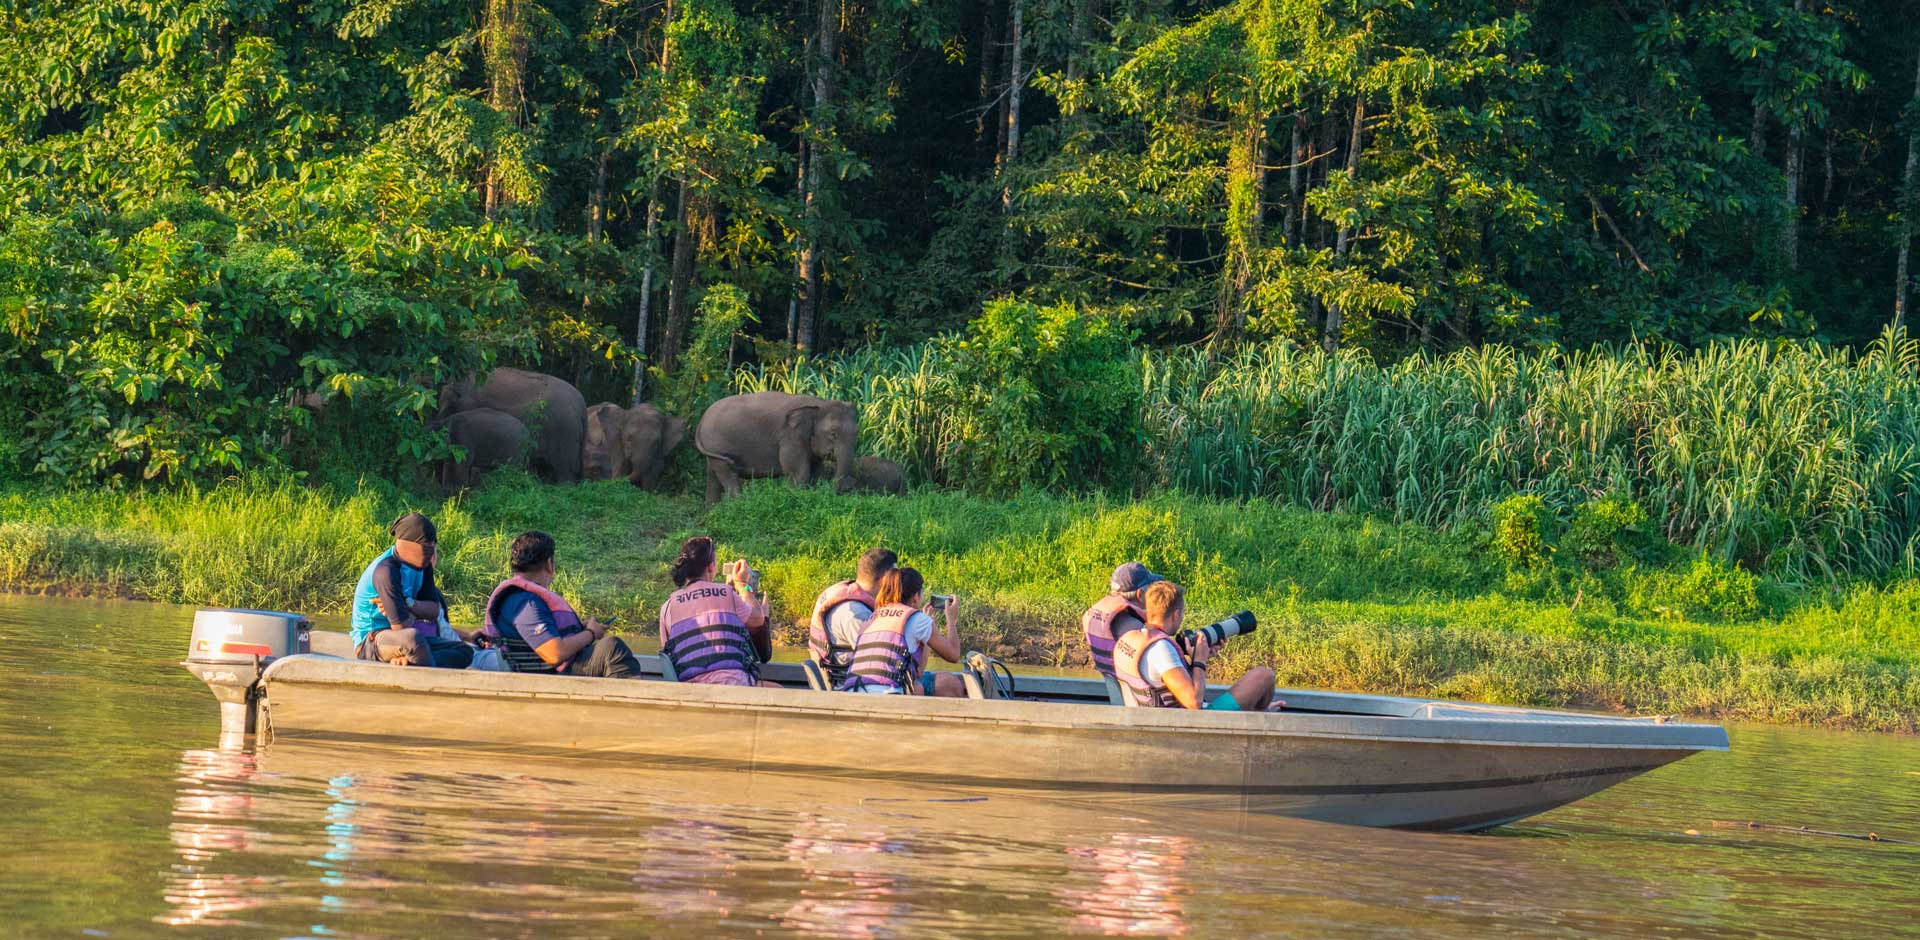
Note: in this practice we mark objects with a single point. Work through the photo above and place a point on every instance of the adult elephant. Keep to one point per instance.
(551, 407)
(631, 443)
(768, 434)
(491, 438)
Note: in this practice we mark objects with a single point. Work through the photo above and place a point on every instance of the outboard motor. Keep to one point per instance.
(229, 649)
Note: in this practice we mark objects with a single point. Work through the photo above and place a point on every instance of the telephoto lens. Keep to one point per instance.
(1221, 632)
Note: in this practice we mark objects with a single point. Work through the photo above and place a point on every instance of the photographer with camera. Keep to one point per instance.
(1152, 668)
(891, 656)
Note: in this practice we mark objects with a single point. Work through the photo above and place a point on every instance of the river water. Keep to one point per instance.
(125, 820)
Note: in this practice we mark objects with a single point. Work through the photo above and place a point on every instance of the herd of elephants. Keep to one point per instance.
(543, 423)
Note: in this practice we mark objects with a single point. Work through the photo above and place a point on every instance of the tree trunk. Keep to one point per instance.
(679, 284)
(989, 72)
(646, 295)
(1077, 39)
(826, 43)
(504, 52)
(1246, 185)
(1015, 80)
(1790, 236)
(1296, 196)
(597, 201)
(1907, 194)
(1330, 338)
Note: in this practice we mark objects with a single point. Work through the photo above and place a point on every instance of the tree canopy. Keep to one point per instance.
(225, 221)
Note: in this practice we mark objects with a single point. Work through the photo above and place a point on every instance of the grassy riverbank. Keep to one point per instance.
(1345, 601)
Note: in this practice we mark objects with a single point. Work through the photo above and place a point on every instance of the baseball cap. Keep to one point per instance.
(414, 527)
(1131, 576)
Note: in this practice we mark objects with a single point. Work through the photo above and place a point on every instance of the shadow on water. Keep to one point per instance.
(132, 824)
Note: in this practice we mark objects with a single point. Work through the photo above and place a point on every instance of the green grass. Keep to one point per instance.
(1345, 601)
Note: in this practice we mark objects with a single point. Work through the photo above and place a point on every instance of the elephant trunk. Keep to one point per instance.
(843, 466)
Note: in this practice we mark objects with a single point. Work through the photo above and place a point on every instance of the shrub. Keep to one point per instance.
(1520, 526)
(1607, 528)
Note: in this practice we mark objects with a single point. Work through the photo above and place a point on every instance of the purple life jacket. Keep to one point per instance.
(520, 656)
(825, 648)
(881, 658)
(1098, 623)
(701, 632)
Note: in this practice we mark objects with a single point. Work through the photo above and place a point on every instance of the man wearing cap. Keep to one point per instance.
(1116, 614)
(399, 615)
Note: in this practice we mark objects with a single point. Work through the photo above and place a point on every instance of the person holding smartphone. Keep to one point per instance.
(891, 655)
(714, 633)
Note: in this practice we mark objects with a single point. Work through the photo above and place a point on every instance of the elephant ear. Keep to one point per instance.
(676, 431)
(800, 422)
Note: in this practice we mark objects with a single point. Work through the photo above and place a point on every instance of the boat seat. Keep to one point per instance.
(1115, 695)
(667, 671)
(816, 680)
(983, 676)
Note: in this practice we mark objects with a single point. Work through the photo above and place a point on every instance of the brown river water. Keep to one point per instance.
(125, 820)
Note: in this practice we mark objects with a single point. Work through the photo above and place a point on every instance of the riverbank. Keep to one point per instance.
(1345, 601)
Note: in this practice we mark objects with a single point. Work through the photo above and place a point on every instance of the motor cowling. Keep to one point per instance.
(228, 649)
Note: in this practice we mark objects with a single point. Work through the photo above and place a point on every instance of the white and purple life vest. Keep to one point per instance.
(825, 648)
(1098, 624)
(701, 632)
(881, 658)
(1127, 653)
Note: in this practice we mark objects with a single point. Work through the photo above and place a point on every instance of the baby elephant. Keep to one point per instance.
(491, 438)
(879, 475)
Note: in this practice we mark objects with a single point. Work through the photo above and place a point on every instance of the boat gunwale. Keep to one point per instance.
(1527, 728)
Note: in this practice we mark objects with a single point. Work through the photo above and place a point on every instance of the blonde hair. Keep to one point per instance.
(1161, 600)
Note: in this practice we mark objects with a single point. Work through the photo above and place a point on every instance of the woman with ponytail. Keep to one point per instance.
(714, 633)
(891, 656)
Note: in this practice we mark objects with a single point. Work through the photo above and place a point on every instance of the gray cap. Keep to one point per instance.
(1130, 577)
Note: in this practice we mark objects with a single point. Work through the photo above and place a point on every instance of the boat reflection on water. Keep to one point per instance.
(1138, 885)
(851, 889)
(210, 814)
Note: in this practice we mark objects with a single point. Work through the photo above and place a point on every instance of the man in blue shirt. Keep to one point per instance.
(539, 631)
(399, 614)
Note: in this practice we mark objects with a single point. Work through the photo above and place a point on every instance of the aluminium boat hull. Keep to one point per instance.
(1365, 760)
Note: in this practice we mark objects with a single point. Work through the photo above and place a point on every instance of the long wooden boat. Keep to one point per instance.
(1360, 759)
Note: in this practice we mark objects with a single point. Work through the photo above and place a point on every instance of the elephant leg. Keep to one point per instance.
(723, 481)
(796, 460)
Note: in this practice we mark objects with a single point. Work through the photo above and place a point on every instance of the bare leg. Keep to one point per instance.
(949, 685)
(1254, 691)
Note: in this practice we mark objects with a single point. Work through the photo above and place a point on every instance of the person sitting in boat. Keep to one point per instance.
(891, 655)
(1152, 669)
(538, 631)
(713, 633)
(842, 611)
(399, 615)
(1116, 614)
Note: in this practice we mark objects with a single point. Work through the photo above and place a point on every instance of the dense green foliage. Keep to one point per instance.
(1344, 601)
(217, 214)
(1792, 458)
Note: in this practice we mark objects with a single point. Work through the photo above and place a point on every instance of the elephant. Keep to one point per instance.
(491, 438)
(879, 475)
(552, 408)
(765, 434)
(629, 442)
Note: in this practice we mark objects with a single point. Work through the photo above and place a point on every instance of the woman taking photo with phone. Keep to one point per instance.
(713, 633)
(891, 657)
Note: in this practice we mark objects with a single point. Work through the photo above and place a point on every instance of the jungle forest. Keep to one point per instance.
(216, 215)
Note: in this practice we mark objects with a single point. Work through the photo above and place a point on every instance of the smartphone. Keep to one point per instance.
(940, 601)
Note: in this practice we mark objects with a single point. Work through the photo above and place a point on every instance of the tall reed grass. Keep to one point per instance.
(1787, 457)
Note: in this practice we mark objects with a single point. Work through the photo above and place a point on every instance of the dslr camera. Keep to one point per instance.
(1217, 633)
